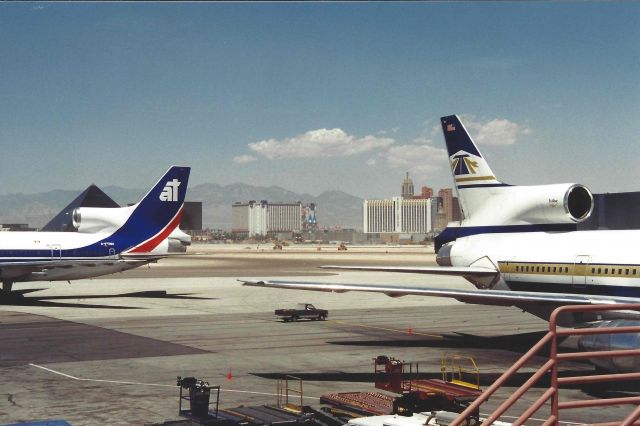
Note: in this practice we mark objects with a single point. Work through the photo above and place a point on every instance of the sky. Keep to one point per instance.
(317, 96)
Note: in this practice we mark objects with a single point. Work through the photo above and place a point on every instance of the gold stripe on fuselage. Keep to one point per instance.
(586, 269)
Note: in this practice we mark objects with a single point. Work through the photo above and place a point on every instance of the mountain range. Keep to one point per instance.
(333, 208)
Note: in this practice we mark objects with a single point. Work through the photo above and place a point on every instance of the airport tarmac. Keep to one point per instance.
(108, 350)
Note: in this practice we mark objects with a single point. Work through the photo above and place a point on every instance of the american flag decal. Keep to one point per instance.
(450, 128)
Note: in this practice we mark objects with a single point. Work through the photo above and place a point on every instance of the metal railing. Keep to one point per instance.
(283, 390)
(551, 366)
(454, 370)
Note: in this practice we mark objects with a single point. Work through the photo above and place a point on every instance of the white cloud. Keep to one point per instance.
(319, 143)
(498, 131)
(422, 140)
(421, 160)
(244, 159)
(372, 162)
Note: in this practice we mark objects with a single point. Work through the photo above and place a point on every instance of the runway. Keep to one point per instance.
(108, 350)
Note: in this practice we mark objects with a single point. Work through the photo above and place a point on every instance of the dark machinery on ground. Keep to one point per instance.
(303, 311)
(458, 387)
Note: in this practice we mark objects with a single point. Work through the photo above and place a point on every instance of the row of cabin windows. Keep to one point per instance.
(552, 269)
(565, 270)
(619, 271)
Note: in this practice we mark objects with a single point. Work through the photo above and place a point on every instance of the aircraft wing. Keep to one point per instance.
(466, 271)
(484, 297)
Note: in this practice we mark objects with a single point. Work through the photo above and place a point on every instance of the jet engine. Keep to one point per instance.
(443, 256)
(554, 203)
(542, 204)
(607, 342)
(178, 241)
(99, 219)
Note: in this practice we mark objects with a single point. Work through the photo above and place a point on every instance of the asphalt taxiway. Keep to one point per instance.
(108, 350)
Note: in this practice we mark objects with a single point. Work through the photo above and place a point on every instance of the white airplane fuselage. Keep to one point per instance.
(603, 263)
(107, 240)
(55, 247)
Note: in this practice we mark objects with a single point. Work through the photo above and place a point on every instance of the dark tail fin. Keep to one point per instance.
(157, 214)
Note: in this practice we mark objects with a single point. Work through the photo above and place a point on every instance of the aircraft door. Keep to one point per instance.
(112, 253)
(580, 267)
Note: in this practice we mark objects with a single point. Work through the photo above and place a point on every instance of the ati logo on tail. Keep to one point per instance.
(170, 191)
(462, 164)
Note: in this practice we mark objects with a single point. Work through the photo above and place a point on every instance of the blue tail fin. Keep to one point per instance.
(157, 214)
(468, 166)
(456, 136)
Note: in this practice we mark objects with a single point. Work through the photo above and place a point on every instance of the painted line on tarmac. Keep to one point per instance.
(264, 393)
(121, 382)
(413, 333)
(118, 382)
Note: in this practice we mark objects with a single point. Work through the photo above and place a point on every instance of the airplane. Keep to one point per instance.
(108, 240)
(519, 246)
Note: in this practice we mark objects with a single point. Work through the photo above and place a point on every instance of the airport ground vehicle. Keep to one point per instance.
(304, 310)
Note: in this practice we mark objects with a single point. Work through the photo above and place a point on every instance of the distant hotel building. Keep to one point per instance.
(409, 213)
(263, 218)
(397, 215)
(450, 205)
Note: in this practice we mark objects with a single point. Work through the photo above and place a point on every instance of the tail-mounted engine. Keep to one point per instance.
(99, 219)
(542, 204)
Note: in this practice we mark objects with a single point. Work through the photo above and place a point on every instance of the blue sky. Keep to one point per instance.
(317, 96)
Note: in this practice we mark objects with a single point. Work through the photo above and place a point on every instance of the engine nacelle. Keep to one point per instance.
(100, 219)
(443, 256)
(178, 241)
(542, 204)
(609, 342)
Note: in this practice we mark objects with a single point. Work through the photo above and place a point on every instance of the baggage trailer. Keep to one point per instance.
(451, 393)
(357, 404)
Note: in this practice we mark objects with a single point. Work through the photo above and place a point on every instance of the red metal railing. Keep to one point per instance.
(551, 366)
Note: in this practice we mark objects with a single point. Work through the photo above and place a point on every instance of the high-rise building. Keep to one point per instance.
(262, 218)
(446, 194)
(426, 192)
(284, 217)
(439, 216)
(407, 187)
(397, 215)
(457, 213)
